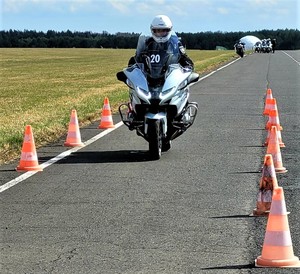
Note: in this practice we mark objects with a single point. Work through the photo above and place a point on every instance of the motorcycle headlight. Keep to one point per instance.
(144, 92)
(167, 91)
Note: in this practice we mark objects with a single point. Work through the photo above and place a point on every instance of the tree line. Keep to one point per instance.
(287, 39)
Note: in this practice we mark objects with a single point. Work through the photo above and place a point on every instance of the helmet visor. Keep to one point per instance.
(161, 32)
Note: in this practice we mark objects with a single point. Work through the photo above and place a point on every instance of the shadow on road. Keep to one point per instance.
(245, 266)
(119, 156)
(230, 216)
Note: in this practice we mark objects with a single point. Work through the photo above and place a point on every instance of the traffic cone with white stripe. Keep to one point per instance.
(106, 117)
(73, 137)
(273, 117)
(267, 183)
(281, 143)
(268, 101)
(29, 159)
(274, 149)
(277, 249)
(268, 105)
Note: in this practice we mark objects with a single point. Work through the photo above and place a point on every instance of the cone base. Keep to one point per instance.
(269, 127)
(108, 126)
(293, 262)
(280, 170)
(260, 213)
(66, 144)
(29, 168)
(280, 144)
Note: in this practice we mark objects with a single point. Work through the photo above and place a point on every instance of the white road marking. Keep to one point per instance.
(211, 73)
(57, 158)
(291, 57)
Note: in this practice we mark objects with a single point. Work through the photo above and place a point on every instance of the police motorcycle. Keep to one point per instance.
(158, 107)
(239, 49)
(266, 46)
(257, 47)
(269, 45)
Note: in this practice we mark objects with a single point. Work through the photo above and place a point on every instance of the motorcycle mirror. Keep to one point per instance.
(121, 76)
(194, 77)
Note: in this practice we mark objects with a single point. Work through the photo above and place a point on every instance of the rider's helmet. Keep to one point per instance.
(161, 28)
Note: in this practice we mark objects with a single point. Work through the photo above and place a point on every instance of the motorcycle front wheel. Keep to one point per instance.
(155, 139)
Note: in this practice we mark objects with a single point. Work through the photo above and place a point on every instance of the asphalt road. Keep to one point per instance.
(108, 209)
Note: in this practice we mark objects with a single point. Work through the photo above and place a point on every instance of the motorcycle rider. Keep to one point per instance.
(239, 44)
(273, 41)
(161, 30)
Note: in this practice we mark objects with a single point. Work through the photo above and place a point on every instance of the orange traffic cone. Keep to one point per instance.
(269, 94)
(73, 137)
(268, 101)
(281, 143)
(267, 183)
(273, 116)
(106, 118)
(277, 249)
(274, 149)
(272, 104)
(268, 106)
(29, 160)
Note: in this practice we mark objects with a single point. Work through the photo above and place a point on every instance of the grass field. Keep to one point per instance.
(40, 87)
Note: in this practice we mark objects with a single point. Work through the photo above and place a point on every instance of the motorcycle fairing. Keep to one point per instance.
(136, 80)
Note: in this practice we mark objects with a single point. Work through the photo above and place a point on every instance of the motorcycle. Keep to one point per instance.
(240, 49)
(257, 47)
(158, 108)
(266, 46)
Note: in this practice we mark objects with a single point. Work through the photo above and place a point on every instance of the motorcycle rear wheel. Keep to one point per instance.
(155, 139)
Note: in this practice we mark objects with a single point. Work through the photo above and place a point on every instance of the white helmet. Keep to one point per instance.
(161, 27)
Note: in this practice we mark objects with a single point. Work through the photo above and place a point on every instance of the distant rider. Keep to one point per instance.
(161, 29)
(239, 44)
(273, 45)
(239, 48)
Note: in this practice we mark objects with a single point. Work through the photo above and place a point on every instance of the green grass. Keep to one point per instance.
(40, 87)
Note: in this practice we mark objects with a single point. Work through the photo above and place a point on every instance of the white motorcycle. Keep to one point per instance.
(158, 109)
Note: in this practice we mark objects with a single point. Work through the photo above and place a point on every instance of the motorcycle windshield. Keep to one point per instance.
(157, 56)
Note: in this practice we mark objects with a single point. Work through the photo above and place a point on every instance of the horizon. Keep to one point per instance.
(136, 33)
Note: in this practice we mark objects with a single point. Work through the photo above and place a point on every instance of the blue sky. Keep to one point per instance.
(136, 15)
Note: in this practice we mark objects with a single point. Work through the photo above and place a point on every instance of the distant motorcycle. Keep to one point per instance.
(158, 109)
(266, 49)
(266, 46)
(257, 47)
(239, 49)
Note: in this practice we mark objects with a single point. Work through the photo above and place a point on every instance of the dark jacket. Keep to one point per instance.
(184, 60)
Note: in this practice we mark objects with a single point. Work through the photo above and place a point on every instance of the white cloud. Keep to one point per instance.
(19, 5)
(16, 6)
(263, 2)
(223, 10)
(177, 7)
(125, 7)
(75, 5)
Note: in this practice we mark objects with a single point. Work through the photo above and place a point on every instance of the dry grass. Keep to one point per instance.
(41, 86)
